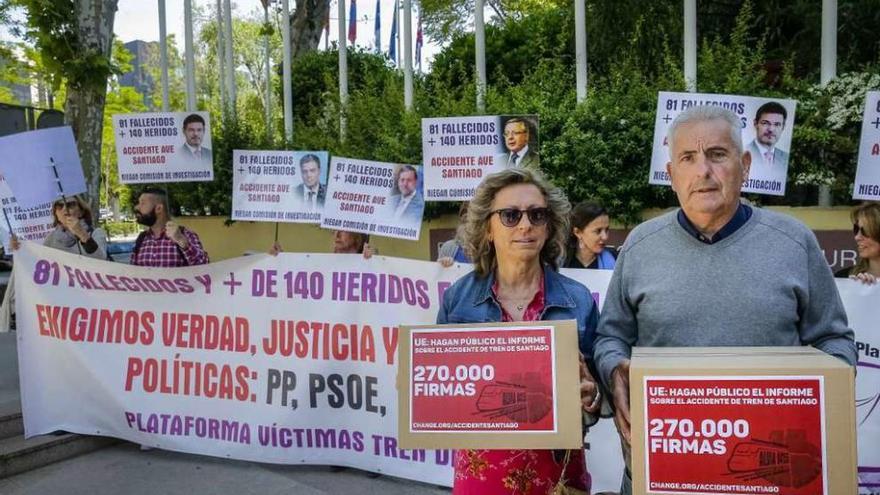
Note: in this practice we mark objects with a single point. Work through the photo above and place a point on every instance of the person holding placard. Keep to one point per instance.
(866, 230)
(589, 235)
(164, 243)
(515, 232)
(74, 232)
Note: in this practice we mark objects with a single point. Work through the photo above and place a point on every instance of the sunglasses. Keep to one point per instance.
(859, 230)
(69, 204)
(510, 217)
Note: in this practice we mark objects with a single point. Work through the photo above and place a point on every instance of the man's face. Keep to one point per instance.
(706, 170)
(516, 136)
(769, 127)
(194, 132)
(345, 242)
(406, 182)
(145, 210)
(311, 171)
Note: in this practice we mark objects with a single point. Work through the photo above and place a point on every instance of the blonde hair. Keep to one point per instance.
(869, 216)
(475, 240)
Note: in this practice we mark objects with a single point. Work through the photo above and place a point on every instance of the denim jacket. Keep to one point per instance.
(470, 300)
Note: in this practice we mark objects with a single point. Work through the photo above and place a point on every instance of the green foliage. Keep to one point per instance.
(121, 229)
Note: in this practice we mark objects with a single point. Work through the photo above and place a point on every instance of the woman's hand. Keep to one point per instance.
(445, 261)
(76, 227)
(275, 249)
(591, 398)
(14, 243)
(368, 251)
(865, 278)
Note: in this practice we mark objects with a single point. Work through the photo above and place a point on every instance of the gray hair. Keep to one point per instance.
(702, 113)
(476, 226)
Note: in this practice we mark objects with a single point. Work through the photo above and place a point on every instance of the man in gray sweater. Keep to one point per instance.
(716, 272)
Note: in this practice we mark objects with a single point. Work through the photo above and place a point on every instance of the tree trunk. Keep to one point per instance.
(84, 108)
(306, 26)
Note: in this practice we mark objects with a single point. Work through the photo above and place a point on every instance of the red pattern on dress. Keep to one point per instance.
(520, 472)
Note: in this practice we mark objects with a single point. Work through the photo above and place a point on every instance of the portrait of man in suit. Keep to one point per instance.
(517, 134)
(407, 204)
(768, 160)
(194, 132)
(311, 191)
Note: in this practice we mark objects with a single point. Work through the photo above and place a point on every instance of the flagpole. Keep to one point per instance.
(407, 53)
(287, 90)
(480, 49)
(221, 58)
(163, 55)
(343, 69)
(397, 38)
(190, 57)
(268, 74)
(580, 50)
(377, 28)
(230, 63)
(690, 45)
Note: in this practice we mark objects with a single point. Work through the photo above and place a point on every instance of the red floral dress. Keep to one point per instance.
(532, 472)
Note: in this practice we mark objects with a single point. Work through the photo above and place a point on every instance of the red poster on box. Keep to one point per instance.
(731, 435)
(483, 380)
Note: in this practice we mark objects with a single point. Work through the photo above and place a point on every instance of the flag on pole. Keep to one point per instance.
(419, 43)
(392, 46)
(377, 28)
(352, 22)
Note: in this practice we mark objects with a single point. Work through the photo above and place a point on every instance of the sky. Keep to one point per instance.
(139, 19)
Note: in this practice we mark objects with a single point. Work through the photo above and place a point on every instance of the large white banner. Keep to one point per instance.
(458, 152)
(288, 359)
(163, 147)
(867, 185)
(767, 125)
(279, 185)
(377, 198)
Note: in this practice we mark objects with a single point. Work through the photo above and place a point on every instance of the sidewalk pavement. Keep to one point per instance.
(125, 469)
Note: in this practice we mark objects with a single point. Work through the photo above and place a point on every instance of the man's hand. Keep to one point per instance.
(620, 390)
(172, 230)
(591, 399)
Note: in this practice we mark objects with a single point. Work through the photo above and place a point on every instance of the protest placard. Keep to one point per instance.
(766, 124)
(867, 184)
(163, 147)
(30, 224)
(458, 152)
(378, 198)
(46, 167)
(279, 186)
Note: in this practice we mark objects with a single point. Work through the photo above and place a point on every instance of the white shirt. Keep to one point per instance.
(404, 202)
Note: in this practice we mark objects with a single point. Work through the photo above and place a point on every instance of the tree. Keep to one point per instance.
(306, 23)
(74, 39)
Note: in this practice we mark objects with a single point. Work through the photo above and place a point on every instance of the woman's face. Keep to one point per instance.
(72, 210)
(869, 248)
(522, 242)
(594, 235)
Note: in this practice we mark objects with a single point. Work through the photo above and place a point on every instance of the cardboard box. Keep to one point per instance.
(735, 420)
(489, 386)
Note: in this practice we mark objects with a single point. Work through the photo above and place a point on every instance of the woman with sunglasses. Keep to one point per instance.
(74, 232)
(589, 233)
(515, 231)
(866, 229)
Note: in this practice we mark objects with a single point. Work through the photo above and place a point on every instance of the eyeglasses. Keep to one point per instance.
(857, 229)
(510, 217)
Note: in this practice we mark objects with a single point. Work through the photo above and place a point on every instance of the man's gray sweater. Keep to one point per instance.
(767, 284)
